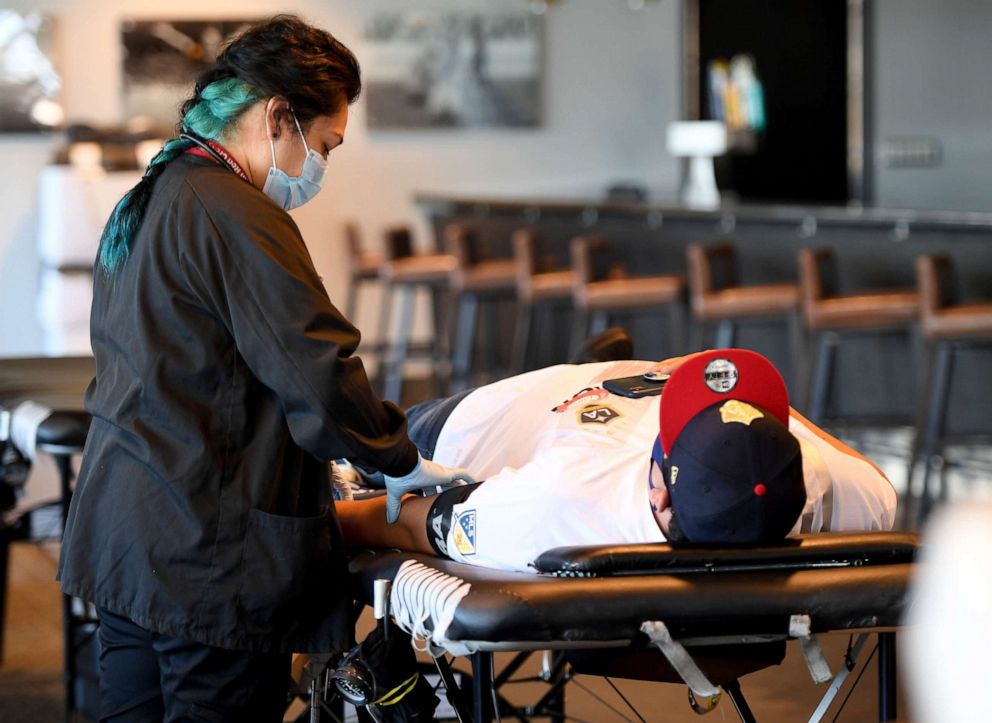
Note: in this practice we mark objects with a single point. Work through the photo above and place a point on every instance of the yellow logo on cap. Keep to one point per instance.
(738, 411)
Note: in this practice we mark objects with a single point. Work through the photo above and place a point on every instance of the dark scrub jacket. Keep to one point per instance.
(225, 381)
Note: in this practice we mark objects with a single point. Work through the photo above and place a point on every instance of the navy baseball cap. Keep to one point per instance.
(732, 468)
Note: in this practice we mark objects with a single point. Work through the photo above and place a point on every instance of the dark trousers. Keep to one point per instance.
(146, 676)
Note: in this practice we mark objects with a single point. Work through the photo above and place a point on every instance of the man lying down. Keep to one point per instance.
(718, 457)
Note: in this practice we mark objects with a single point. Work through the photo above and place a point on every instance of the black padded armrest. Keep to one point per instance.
(799, 553)
(64, 428)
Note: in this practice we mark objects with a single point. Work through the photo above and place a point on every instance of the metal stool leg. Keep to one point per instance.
(441, 351)
(599, 322)
(521, 336)
(887, 699)
(822, 377)
(482, 687)
(733, 689)
(384, 350)
(725, 333)
(697, 333)
(468, 307)
(797, 353)
(393, 387)
(677, 324)
(580, 330)
(936, 412)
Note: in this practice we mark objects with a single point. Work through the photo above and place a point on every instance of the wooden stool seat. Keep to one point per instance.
(550, 285)
(634, 292)
(478, 276)
(403, 273)
(964, 321)
(419, 269)
(741, 302)
(596, 295)
(366, 265)
(540, 285)
(486, 275)
(717, 297)
(874, 310)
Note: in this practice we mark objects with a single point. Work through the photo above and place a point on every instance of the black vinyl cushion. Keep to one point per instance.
(519, 607)
(64, 428)
(795, 553)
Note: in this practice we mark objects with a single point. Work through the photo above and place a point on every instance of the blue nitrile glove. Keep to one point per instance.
(425, 475)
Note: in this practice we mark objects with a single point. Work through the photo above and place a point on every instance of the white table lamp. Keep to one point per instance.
(700, 142)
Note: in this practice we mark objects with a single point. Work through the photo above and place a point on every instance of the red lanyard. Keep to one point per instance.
(219, 154)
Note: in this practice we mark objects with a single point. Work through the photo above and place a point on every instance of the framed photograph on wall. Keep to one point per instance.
(457, 69)
(29, 81)
(162, 59)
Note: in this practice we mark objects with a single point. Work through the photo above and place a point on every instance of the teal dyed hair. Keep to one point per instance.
(220, 104)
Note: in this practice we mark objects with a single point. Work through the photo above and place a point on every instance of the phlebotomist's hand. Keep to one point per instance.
(425, 475)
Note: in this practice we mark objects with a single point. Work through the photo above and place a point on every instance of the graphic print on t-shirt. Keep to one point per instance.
(465, 533)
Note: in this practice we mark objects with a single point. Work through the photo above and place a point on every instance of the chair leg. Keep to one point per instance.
(823, 373)
(887, 678)
(441, 349)
(677, 324)
(468, 307)
(351, 299)
(383, 348)
(797, 352)
(393, 386)
(697, 332)
(934, 427)
(580, 330)
(521, 337)
(725, 333)
(733, 689)
(599, 321)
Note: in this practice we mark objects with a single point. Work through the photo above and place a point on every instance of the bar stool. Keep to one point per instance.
(716, 297)
(829, 315)
(598, 296)
(538, 286)
(477, 278)
(403, 273)
(363, 267)
(948, 327)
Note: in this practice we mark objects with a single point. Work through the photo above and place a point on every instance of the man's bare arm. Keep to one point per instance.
(363, 524)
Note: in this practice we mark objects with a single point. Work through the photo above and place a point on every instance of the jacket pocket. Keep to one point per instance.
(283, 562)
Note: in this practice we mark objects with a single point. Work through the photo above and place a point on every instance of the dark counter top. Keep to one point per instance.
(767, 213)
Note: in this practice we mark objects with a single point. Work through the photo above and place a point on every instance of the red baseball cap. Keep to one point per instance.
(717, 376)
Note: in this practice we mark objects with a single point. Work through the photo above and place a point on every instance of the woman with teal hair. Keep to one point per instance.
(202, 525)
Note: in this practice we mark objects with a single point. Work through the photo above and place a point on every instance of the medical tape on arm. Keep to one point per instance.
(816, 661)
(707, 695)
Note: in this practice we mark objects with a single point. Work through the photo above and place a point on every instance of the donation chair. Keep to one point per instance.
(703, 616)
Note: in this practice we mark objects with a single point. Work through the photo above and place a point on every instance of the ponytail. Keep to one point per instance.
(207, 115)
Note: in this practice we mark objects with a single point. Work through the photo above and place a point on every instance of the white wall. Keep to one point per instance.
(610, 86)
(931, 79)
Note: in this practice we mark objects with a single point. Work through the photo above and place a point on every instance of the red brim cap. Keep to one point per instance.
(716, 376)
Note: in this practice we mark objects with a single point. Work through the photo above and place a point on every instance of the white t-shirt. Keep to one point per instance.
(566, 463)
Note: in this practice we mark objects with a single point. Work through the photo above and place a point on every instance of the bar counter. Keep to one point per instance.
(875, 249)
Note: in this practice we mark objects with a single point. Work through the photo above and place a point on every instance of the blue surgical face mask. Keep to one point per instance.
(292, 191)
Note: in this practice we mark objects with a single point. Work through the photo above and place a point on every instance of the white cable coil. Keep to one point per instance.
(423, 603)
